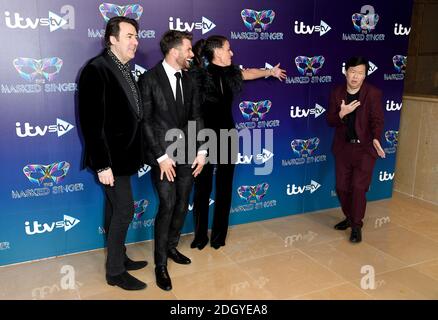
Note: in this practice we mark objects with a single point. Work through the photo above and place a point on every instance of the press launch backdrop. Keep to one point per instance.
(50, 207)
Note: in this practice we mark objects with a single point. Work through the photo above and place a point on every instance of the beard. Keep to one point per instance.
(182, 62)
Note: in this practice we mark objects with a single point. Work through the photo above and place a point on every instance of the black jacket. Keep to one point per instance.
(217, 86)
(110, 124)
(161, 114)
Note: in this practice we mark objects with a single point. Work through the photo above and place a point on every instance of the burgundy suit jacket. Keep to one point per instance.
(369, 117)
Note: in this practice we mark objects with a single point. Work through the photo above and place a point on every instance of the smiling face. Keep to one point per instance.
(125, 45)
(355, 77)
(184, 54)
(222, 56)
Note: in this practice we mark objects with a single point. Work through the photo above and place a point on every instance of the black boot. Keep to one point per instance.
(200, 244)
(162, 277)
(178, 257)
(356, 235)
(343, 225)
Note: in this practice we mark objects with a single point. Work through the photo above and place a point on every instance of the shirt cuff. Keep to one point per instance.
(162, 158)
(203, 152)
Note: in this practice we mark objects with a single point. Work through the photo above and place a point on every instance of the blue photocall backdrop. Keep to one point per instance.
(50, 207)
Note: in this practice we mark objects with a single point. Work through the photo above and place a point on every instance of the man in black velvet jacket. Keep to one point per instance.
(170, 101)
(111, 119)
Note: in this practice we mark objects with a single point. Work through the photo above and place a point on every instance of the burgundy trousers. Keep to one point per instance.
(354, 170)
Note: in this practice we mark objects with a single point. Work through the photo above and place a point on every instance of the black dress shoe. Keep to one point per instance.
(178, 257)
(217, 245)
(162, 277)
(200, 244)
(125, 281)
(343, 225)
(135, 265)
(356, 235)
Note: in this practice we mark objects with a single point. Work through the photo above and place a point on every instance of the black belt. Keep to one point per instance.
(354, 141)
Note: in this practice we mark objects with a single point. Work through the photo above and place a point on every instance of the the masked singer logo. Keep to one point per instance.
(255, 111)
(399, 62)
(304, 148)
(38, 173)
(365, 21)
(38, 70)
(309, 66)
(109, 10)
(140, 207)
(257, 20)
(391, 137)
(253, 193)
(257, 24)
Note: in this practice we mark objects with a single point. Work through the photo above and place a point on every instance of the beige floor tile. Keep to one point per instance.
(302, 231)
(208, 258)
(252, 241)
(429, 268)
(342, 292)
(229, 282)
(290, 274)
(347, 259)
(405, 245)
(299, 256)
(377, 217)
(407, 211)
(406, 283)
(402, 198)
(152, 292)
(48, 279)
(427, 228)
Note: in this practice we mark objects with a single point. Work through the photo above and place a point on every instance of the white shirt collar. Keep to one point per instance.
(170, 71)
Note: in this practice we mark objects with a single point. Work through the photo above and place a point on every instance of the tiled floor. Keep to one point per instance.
(297, 257)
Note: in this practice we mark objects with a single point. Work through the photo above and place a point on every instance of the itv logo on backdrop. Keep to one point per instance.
(67, 224)
(53, 21)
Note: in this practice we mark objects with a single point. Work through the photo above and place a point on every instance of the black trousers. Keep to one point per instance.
(119, 211)
(172, 210)
(222, 205)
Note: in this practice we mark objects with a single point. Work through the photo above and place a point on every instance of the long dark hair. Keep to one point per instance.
(204, 49)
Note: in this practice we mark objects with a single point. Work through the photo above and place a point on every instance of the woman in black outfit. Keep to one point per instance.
(218, 82)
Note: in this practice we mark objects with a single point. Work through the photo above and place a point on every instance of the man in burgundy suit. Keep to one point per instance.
(356, 111)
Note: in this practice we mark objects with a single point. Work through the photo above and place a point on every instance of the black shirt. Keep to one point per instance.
(350, 119)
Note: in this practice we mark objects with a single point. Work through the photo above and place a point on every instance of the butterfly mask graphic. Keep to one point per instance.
(109, 10)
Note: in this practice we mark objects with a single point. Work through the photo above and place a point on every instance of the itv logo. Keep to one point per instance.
(385, 176)
(67, 224)
(295, 190)
(60, 128)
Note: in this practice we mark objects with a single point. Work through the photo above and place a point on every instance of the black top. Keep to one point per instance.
(350, 118)
(217, 86)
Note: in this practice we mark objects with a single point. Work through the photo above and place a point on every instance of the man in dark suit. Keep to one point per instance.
(111, 116)
(170, 101)
(356, 111)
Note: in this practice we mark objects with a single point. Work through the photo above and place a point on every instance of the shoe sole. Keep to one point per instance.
(125, 288)
(342, 229)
